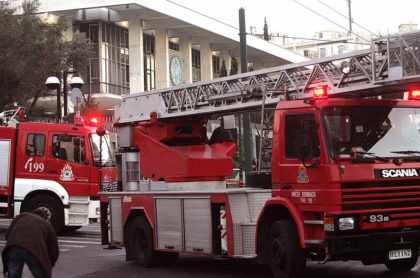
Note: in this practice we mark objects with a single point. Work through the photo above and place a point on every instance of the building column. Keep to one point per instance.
(185, 47)
(161, 57)
(135, 51)
(206, 61)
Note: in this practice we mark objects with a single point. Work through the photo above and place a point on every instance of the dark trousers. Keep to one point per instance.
(17, 257)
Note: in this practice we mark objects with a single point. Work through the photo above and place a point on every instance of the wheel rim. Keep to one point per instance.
(279, 254)
(48, 211)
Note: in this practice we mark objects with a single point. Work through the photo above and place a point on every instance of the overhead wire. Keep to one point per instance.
(330, 20)
(314, 39)
(331, 8)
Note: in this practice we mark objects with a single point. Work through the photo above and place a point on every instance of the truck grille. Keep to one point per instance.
(402, 197)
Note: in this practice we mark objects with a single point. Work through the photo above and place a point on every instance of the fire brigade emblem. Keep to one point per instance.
(302, 175)
(66, 173)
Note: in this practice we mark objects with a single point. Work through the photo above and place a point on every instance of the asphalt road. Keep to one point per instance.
(81, 255)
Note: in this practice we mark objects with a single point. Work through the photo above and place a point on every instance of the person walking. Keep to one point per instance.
(32, 240)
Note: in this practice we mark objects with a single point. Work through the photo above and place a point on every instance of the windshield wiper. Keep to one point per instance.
(359, 155)
(406, 152)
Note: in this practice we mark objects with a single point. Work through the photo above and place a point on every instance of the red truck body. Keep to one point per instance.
(339, 135)
(339, 202)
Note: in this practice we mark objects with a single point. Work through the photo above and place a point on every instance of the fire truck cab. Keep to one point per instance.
(57, 167)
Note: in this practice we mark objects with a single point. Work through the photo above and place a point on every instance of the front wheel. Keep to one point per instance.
(51, 206)
(287, 257)
(404, 264)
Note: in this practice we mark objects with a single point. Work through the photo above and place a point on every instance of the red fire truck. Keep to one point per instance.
(344, 178)
(57, 167)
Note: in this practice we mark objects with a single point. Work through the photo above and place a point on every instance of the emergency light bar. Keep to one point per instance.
(320, 92)
(89, 120)
(414, 94)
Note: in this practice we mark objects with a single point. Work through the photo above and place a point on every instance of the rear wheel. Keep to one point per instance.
(404, 264)
(287, 257)
(140, 241)
(51, 206)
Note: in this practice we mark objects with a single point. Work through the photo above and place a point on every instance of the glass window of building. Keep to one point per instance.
(108, 70)
(149, 62)
(196, 65)
(173, 46)
(216, 66)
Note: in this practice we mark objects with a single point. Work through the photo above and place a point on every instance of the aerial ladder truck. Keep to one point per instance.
(344, 177)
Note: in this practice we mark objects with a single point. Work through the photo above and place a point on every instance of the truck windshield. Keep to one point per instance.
(389, 132)
(108, 156)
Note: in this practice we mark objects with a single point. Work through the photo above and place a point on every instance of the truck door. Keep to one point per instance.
(301, 161)
(31, 154)
(67, 162)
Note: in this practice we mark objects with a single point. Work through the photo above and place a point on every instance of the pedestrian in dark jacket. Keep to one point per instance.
(32, 240)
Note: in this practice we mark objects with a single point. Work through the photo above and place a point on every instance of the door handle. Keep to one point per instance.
(52, 172)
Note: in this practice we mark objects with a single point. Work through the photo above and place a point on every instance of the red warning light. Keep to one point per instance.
(93, 121)
(320, 92)
(414, 94)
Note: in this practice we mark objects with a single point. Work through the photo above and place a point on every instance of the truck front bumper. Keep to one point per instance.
(372, 247)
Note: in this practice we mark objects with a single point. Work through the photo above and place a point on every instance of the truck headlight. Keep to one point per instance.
(346, 223)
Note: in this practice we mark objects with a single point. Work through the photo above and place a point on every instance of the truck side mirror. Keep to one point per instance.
(100, 131)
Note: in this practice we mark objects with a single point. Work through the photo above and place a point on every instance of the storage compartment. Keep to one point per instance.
(184, 223)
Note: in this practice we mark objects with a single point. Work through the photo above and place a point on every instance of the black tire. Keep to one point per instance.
(403, 265)
(140, 241)
(52, 206)
(287, 258)
(259, 180)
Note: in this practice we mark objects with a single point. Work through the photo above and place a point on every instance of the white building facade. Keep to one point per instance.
(143, 45)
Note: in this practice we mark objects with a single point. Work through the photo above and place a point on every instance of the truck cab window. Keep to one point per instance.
(301, 132)
(70, 148)
(35, 144)
(383, 131)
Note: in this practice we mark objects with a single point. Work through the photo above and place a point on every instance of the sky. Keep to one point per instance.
(293, 19)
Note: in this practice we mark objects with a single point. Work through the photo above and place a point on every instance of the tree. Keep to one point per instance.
(233, 66)
(32, 49)
(223, 70)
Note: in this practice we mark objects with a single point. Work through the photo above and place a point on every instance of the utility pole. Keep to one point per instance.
(350, 20)
(65, 94)
(246, 116)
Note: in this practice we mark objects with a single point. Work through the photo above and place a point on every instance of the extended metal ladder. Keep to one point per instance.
(391, 65)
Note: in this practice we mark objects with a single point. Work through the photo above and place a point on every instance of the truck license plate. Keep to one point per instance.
(399, 254)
